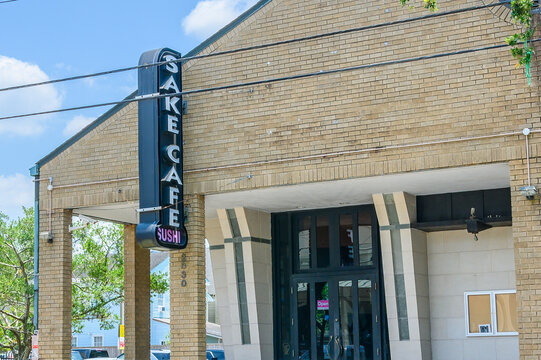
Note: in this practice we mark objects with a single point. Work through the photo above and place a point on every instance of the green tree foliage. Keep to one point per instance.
(98, 275)
(16, 284)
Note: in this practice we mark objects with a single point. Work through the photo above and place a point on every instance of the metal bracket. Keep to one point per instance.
(149, 209)
(146, 96)
(186, 214)
(184, 107)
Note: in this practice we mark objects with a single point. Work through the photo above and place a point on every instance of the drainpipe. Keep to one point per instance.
(34, 171)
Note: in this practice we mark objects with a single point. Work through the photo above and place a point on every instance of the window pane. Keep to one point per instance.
(365, 239)
(322, 319)
(479, 313)
(303, 320)
(345, 302)
(98, 341)
(304, 243)
(506, 312)
(322, 241)
(365, 318)
(346, 240)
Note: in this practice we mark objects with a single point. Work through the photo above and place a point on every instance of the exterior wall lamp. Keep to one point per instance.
(474, 225)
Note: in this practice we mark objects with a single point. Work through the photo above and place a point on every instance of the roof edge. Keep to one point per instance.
(94, 124)
(233, 24)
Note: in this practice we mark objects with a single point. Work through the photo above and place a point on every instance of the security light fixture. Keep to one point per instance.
(46, 235)
(528, 191)
(474, 225)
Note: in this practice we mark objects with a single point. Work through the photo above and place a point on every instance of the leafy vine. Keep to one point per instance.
(521, 12)
(521, 47)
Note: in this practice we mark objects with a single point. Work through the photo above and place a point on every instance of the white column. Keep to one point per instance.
(405, 271)
(248, 275)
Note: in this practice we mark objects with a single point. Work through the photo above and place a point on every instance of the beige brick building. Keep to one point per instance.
(335, 205)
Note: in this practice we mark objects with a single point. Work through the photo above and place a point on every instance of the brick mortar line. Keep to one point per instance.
(357, 151)
(309, 157)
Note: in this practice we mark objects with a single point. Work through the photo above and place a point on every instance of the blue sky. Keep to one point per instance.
(41, 40)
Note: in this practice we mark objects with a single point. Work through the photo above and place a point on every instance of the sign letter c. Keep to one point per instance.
(170, 154)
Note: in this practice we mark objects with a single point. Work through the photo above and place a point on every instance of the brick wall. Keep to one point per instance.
(188, 289)
(137, 297)
(55, 287)
(527, 236)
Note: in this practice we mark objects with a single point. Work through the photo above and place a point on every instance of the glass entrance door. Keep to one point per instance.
(328, 302)
(336, 319)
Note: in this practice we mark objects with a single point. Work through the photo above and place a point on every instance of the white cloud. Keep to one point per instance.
(15, 191)
(209, 16)
(34, 99)
(76, 124)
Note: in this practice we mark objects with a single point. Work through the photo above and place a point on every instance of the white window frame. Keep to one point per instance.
(493, 313)
(94, 340)
(74, 337)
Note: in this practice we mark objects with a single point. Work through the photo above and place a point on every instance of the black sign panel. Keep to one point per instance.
(161, 207)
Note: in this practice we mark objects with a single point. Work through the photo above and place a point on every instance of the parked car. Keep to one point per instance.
(163, 355)
(75, 355)
(215, 355)
(92, 353)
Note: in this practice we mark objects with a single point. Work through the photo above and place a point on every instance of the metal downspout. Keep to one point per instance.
(35, 172)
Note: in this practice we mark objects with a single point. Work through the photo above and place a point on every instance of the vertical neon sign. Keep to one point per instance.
(161, 204)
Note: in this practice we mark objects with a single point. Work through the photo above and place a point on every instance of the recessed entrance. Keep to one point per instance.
(328, 296)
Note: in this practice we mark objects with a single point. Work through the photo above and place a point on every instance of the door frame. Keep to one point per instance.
(334, 309)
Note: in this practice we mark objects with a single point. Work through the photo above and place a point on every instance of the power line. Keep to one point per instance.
(264, 46)
(6, 1)
(272, 80)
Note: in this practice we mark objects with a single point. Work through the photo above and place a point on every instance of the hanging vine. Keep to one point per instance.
(521, 46)
(521, 12)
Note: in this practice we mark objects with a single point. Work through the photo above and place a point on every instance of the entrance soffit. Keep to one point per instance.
(331, 193)
(360, 190)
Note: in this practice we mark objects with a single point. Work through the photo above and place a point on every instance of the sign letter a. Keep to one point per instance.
(172, 175)
(170, 84)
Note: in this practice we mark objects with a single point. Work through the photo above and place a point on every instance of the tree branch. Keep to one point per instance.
(87, 311)
(11, 315)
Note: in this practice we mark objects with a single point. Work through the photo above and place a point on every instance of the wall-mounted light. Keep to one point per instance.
(475, 226)
(528, 191)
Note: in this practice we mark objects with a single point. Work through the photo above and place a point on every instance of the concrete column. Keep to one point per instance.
(248, 263)
(55, 287)
(405, 271)
(136, 297)
(217, 254)
(188, 289)
(527, 242)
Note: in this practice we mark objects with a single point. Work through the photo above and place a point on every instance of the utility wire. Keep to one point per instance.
(272, 80)
(6, 1)
(264, 46)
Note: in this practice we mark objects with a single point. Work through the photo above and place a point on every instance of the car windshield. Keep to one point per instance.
(75, 355)
(161, 355)
(212, 354)
(99, 353)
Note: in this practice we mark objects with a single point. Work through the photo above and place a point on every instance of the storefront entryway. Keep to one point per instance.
(328, 294)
